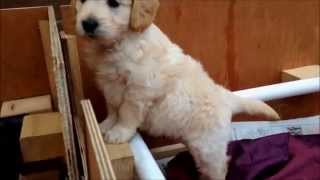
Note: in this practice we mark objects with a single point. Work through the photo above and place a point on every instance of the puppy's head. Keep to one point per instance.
(110, 19)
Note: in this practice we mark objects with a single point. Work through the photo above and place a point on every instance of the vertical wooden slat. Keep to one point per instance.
(63, 96)
(99, 161)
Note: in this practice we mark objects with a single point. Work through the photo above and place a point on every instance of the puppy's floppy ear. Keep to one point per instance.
(143, 13)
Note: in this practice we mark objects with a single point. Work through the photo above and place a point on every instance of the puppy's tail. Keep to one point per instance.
(252, 107)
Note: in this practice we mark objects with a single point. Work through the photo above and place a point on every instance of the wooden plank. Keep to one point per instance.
(47, 175)
(299, 73)
(168, 151)
(45, 37)
(122, 160)
(37, 130)
(63, 96)
(26, 106)
(99, 162)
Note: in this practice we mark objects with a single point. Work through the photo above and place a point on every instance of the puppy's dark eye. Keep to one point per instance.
(83, 1)
(113, 3)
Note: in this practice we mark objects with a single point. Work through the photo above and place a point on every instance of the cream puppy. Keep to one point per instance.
(151, 84)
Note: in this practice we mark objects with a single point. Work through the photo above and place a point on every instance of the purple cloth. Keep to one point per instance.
(275, 157)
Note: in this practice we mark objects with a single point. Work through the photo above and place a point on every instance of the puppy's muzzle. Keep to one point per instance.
(90, 25)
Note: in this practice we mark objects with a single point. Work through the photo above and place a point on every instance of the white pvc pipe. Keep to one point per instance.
(146, 166)
(282, 90)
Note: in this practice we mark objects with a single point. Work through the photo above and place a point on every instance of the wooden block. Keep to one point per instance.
(122, 160)
(47, 175)
(168, 151)
(26, 106)
(305, 72)
(41, 137)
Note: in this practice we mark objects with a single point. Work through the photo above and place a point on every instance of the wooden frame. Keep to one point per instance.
(195, 46)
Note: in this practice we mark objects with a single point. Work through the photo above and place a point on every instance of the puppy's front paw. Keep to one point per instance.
(106, 125)
(118, 135)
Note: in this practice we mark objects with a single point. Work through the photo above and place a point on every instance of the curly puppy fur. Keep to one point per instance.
(151, 84)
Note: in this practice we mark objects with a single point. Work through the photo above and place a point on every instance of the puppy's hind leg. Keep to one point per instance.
(210, 153)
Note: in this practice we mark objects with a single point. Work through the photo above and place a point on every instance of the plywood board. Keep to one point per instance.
(63, 95)
(99, 162)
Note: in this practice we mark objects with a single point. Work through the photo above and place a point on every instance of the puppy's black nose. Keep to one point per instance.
(90, 25)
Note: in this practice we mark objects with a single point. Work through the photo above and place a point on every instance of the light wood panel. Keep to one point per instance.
(304, 72)
(26, 106)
